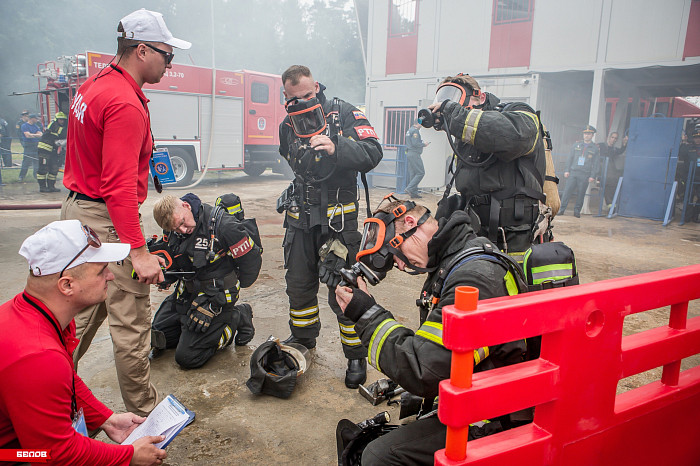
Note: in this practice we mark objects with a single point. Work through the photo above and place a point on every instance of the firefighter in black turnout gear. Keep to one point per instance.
(417, 360)
(326, 143)
(214, 252)
(500, 160)
(53, 140)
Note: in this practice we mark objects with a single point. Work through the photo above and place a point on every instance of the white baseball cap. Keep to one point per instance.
(149, 26)
(50, 249)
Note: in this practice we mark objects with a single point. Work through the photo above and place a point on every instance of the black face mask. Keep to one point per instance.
(306, 116)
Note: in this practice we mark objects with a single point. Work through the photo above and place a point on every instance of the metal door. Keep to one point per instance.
(650, 167)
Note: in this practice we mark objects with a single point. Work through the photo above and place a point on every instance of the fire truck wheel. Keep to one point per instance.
(183, 165)
(254, 169)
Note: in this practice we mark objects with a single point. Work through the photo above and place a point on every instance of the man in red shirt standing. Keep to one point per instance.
(109, 147)
(40, 393)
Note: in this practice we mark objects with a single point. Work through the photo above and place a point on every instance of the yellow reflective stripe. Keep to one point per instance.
(350, 341)
(225, 337)
(303, 312)
(519, 256)
(551, 272)
(537, 125)
(234, 209)
(470, 125)
(304, 322)
(346, 209)
(45, 146)
(511, 284)
(377, 340)
(293, 215)
(431, 331)
(346, 328)
(480, 354)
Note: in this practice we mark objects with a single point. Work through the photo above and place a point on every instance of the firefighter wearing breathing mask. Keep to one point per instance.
(500, 160)
(404, 234)
(326, 143)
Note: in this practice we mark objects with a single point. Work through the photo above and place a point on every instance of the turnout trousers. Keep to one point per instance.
(301, 261)
(194, 349)
(128, 310)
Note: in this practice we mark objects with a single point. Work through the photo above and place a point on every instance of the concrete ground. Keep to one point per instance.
(235, 427)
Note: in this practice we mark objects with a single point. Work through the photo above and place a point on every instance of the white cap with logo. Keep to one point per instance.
(50, 249)
(149, 26)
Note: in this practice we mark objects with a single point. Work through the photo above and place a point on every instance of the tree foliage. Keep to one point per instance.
(261, 35)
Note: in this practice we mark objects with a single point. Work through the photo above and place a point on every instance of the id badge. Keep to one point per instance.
(79, 423)
(162, 167)
(582, 160)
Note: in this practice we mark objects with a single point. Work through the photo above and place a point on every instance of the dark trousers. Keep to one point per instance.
(6, 151)
(194, 349)
(576, 184)
(48, 167)
(301, 261)
(30, 159)
(416, 172)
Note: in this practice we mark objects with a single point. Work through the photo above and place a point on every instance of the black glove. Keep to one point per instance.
(455, 115)
(358, 305)
(201, 314)
(332, 254)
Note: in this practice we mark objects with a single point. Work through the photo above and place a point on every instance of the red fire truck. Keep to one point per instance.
(248, 108)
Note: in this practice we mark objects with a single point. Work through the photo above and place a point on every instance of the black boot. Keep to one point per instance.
(158, 343)
(356, 373)
(309, 343)
(51, 186)
(245, 331)
(42, 186)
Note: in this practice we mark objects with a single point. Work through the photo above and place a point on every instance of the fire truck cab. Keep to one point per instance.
(227, 120)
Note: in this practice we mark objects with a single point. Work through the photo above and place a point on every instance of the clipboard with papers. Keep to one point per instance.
(168, 418)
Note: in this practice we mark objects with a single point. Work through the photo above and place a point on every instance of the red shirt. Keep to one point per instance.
(36, 371)
(109, 147)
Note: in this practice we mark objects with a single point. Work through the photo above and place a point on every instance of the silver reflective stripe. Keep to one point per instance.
(304, 322)
(431, 331)
(470, 125)
(304, 312)
(377, 341)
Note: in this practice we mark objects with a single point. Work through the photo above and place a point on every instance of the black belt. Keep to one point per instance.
(342, 195)
(83, 197)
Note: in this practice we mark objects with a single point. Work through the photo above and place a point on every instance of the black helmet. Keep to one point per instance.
(274, 368)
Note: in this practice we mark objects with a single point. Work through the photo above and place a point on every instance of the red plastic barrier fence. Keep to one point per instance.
(579, 418)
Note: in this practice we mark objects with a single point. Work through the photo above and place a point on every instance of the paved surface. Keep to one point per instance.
(235, 427)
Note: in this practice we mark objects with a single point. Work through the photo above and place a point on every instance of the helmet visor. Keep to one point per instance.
(306, 117)
(450, 91)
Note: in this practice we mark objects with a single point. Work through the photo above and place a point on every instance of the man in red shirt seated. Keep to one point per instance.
(41, 395)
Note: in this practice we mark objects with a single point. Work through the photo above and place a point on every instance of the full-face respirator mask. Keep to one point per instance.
(306, 117)
(380, 244)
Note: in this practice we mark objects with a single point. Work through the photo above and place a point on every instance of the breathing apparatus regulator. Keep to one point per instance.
(307, 119)
(451, 92)
(380, 243)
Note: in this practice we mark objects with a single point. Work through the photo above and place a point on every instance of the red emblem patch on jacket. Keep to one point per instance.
(242, 247)
(364, 132)
(359, 115)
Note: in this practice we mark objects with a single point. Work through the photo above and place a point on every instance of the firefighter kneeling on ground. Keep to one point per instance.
(404, 234)
(215, 251)
(52, 141)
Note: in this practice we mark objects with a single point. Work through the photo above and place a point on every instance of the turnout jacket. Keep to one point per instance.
(514, 139)
(357, 149)
(418, 361)
(237, 256)
(53, 134)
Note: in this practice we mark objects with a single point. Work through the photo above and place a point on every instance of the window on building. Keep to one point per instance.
(397, 120)
(259, 93)
(403, 17)
(512, 11)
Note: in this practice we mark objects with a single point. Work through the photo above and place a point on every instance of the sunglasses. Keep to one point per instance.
(168, 55)
(92, 240)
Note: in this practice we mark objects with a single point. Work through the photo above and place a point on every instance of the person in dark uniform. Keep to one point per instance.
(414, 149)
(53, 139)
(500, 160)
(31, 133)
(418, 360)
(5, 144)
(688, 155)
(326, 143)
(201, 316)
(581, 169)
(615, 163)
